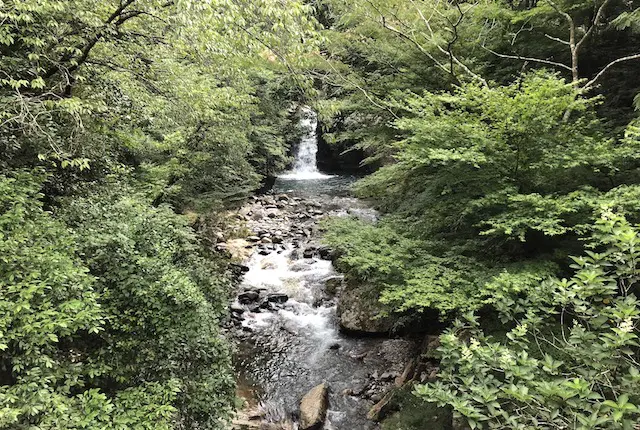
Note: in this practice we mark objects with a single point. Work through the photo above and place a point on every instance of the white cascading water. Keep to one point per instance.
(305, 166)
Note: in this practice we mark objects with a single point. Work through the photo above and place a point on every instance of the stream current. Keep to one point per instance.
(285, 350)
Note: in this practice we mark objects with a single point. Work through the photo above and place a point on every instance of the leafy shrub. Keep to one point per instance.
(502, 162)
(419, 275)
(50, 318)
(570, 355)
(162, 299)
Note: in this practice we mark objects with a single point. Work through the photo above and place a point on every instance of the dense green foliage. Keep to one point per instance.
(481, 170)
(116, 116)
(52, 319)
(499, 130)
(570, 360)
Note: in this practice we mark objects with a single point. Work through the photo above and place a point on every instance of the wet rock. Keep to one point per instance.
(308, 252)
(407, 374)
(248, 297)
(389, 376)
(313, 408)
(326, 253)
(334, 346)
(253, 238)
(277, 297)
(266, 240)
(255, 308)
(240, 267)
(300, 266)
(236, 308)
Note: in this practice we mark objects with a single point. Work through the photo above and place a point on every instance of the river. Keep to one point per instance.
(288, 337)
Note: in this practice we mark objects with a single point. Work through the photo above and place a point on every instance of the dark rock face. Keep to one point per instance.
(277, 297)
(248, 297)
(339, 157)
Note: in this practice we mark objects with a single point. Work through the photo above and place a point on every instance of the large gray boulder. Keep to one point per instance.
(360, 312)
(313, 408)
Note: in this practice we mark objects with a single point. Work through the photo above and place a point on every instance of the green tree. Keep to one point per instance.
(570, 356)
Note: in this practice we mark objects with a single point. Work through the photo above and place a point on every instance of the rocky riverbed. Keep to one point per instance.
(300, 349)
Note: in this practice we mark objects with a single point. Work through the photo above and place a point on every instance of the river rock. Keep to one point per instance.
(236, 308)
(300, 266)
(359, 311)
(248, 297)
(313, 408)
(326, 253)
(277, 297)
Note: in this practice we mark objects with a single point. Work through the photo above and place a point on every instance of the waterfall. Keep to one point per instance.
(305, 166)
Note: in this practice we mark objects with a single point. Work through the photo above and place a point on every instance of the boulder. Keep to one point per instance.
(235, 307)
(248, 297)
(326, 253)
(360, 312)
(313, 408)
(332, 285)
(277, 297)
(300, 266)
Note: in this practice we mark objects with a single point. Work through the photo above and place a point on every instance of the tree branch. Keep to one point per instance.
(608, 66)
(556, 39)
(594, 24)
(535, 60)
